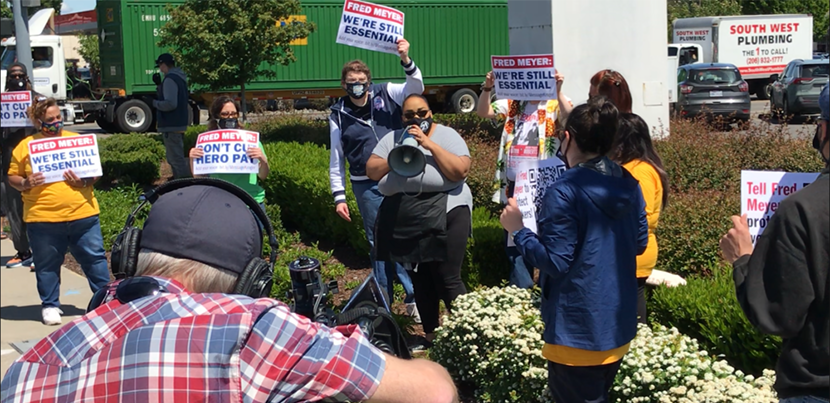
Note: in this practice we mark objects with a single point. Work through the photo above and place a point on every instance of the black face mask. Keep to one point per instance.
(561, 155)
(229, 123)
(17, 84)
(356, 90)
(425, 124)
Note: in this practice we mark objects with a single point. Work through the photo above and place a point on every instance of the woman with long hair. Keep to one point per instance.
(59, 215)
(224, 114)
(635, 152)
(591, 227)
(610, 84)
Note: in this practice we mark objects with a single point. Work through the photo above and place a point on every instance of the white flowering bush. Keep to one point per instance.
(665, 366)
(493, 341)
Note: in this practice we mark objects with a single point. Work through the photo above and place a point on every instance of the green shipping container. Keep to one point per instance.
(452, 41)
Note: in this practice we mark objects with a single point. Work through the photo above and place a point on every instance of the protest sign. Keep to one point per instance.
(54, 156)
(532, 180)
(13, 109)
(762, 193)
(226, 152)
(370, 26)
(524, 78)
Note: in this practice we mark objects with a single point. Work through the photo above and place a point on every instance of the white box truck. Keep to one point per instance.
(759, 45)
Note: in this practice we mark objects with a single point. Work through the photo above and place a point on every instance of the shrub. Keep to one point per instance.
(690, 229)
(706, 309)
(299, 184)
(293, 128)
(130, 158)
(493, 342)
(665, 366)
(486, 260)
(116, 205)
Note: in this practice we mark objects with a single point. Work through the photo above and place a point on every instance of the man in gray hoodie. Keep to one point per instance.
(172, 106)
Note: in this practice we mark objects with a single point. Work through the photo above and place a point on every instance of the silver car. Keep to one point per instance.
(712, 90)
(796, 91)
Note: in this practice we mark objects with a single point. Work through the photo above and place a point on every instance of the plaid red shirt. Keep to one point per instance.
(183, 347)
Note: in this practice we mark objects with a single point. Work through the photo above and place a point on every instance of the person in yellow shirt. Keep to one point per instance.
(635, 152)
(58, 215)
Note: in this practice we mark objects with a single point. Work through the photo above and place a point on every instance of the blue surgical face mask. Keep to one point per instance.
(357, 90)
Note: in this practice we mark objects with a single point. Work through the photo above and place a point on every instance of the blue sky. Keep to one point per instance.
(74, 6)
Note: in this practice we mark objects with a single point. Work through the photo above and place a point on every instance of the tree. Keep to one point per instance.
(818, 8)
(88, 49)
(226, 43)
(5, 10)
(56, 4)
(700, 8)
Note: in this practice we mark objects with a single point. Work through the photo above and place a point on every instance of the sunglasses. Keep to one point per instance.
(226, 115)
(17, 75)
(411, 114)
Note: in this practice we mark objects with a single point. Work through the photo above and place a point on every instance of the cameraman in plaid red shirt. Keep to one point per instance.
(185, 338)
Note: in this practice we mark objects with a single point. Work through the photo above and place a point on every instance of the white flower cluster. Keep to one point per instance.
(493, 341)
(667, 367)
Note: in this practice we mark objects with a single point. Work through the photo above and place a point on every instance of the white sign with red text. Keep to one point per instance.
(763, 191)
(524, 78)
(532, 180)
(226, 152)
(56, 155)
(763, 46)
(14, 107)
(370, 26)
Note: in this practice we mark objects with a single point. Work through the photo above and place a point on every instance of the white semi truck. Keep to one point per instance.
(759, 45)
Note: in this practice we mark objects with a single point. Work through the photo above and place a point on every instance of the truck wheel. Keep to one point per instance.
(463, 101)
(134, 116)
(763, 91)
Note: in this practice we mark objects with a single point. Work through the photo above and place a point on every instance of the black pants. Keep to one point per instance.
(581, 384)
(436, 281)
(641, 301)
(12, 200)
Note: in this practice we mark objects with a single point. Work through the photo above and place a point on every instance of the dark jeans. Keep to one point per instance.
(368, 202)
(641, 301)
(581, 384)
(174, 150)
(49, 244)
(12, 200)
(436, 281)
(521, 271)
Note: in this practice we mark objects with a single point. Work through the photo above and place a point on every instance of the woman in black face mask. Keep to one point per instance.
(224, 114)
(425, 217)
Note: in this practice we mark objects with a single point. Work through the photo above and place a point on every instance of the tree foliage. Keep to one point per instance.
(5, 10)
(228, 43)
(56, 4)
(88, 49)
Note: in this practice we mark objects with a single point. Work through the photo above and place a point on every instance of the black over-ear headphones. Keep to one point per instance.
(257, 278)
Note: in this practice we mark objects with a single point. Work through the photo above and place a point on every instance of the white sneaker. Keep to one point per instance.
(412, 310)
(51, 316)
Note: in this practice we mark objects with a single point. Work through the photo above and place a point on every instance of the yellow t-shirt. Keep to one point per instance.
(652, 189)
(52, 202)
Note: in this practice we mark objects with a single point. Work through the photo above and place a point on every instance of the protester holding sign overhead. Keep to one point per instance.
(358, 121)
(16, 80)
(635, 152)
(224, 114)
(59, 215)
(590, 230)
(528, 135)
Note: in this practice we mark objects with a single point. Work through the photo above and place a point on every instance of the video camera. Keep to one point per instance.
(368, 307)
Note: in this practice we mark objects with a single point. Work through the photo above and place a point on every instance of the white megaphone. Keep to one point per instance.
(406, 159)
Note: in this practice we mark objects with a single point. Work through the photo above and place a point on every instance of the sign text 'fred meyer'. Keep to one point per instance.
(370, 26)
(524, 78)
(226, 151)
(56, 155)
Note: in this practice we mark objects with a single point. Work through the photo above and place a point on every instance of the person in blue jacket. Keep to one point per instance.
(591, 228)
(357, 122)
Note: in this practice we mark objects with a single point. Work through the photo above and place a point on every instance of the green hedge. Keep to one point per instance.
(116, 205)
(130, 158)
(706, 309)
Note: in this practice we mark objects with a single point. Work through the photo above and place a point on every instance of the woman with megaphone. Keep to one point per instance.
(425, 218)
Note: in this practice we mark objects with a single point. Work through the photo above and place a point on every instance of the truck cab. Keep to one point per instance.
(681, 54)
(49, 66)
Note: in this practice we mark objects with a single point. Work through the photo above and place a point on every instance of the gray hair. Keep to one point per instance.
(196, 277)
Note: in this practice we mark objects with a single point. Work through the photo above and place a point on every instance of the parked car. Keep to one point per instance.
(821, 55)
(796, 91)
(712, 90)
